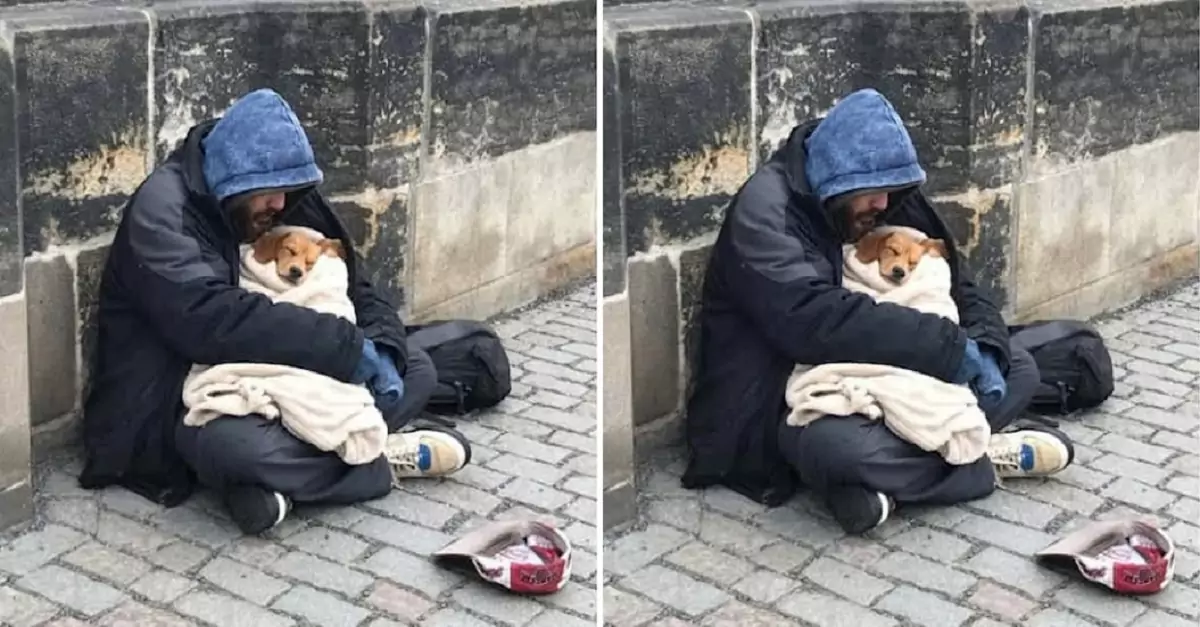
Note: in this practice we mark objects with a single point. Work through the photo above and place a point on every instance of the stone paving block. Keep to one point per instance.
(1151, 474)
(227, 611)
(130, 535)
(827, 611)
(321, 573)
(709, 563)
(623, 608)
(558, 619)
(79, 593)
(137, 615)
(1013, 571)
(320, 608)
(680, 592)
(1182, 599)
(30, 551)
(1004, 534)
(1136, 493)
(20, 609)
(765, 587)
(924, 574)
(410, 537)
(496, 604)
(1016, 508)
(931, 543)
(162, 586)
(638, 549)
(327, 543)
(398, 602)
(1001, 602)
(923, 608)
(107, 563)
(404, 506)
(846, 580)
(410, 571)
(453, 618)
(535, 494)
(1098, 604)
(178, 556)
(248, 582)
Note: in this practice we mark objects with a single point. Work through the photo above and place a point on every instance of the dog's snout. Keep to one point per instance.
(898, 273)
(295, 273)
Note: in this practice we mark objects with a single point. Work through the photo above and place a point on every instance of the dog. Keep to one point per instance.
(897, 252)
(294, 253)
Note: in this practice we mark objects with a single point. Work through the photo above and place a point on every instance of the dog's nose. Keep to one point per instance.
(897, 273)
(295, 274)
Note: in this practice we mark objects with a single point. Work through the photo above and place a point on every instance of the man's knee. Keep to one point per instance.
(819, 451)
(1023, 375)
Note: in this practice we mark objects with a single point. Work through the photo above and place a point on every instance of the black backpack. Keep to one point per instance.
(1076, 369)
(472, 366)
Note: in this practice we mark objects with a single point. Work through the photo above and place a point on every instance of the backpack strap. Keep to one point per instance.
(1035, 336)
(433, 334)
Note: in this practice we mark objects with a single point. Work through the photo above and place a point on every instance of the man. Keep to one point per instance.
(169, 298)
(773, 299)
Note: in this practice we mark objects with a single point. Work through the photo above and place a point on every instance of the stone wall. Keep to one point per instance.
(1060, 138)
(458, 141)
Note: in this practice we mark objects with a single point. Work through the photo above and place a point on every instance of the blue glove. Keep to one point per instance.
(369, 365)
(972, 364)
(388, 387)
(989, 386)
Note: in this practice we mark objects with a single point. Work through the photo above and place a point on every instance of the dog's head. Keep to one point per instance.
(897, 253)
(294, 253)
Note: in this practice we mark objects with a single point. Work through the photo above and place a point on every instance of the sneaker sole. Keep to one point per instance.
(1061, 441)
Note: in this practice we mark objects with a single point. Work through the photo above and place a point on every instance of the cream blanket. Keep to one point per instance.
(930, 413)
(327, 413)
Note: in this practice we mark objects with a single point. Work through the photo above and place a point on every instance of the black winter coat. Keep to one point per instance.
(772, 298)
(169, 299)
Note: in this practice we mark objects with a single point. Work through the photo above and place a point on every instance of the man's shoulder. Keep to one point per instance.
(163, 190)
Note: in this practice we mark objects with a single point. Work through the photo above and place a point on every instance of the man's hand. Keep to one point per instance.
(368, 365)
(989, 386)
(388, 387)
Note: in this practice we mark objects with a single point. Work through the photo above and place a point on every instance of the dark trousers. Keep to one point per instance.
(838, 453)
(240, 450)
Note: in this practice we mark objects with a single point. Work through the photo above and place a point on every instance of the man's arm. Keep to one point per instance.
(378, 317)
(787, 287)
(181, 285)
(978, 314)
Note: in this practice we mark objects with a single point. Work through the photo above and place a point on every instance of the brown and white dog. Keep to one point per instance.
(294, 252)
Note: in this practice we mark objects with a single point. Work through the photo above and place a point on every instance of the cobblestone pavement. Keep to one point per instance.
(716, 558)
(115, 559)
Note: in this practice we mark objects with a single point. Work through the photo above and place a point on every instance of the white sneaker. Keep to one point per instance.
(1030, 453)
(426, 453)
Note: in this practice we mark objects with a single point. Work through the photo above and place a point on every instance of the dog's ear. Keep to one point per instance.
(935, 246)
(333, 247)
(868, 248)
(266, 247)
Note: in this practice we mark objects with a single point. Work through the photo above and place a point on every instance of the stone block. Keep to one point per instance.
(504, 76)
(1156, 199)
(918, 56)
(654, 333)
(79, 163)
(50, 297)
(377, 220)
(552, 200)
(11, 250)
(460, 225)
(1110, 76)
(209, 54)
(619, 480)
(981, 222)
(89, 267)
(395, 92)
(1063, 232)
(808, 59)
(613, 224)
(16, 496)
(999, 51)
(686, 136)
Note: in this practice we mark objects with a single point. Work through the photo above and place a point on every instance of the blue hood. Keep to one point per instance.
(258, 145)
(862, 144)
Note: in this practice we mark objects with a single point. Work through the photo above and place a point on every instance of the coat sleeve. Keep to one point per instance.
(378, 317)
(977, 312)
(182, 285)
(788, 289)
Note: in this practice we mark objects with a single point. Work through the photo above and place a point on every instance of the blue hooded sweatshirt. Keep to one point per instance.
(861, 145)
(258, 144)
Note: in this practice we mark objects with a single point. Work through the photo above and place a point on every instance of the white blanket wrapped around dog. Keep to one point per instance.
(325, 412)
(928, 412)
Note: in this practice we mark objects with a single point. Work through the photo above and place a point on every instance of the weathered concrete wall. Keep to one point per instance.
(458, 141)
(1060, 139)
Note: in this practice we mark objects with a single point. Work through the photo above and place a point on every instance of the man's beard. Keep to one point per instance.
(247, 227)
